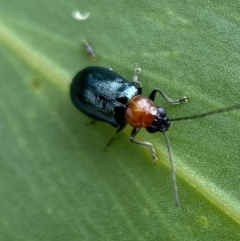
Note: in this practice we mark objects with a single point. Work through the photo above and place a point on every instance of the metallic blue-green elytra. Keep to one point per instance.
(102, 94)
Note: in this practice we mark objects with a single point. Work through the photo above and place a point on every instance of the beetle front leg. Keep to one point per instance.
(135, 131)
(165, 97)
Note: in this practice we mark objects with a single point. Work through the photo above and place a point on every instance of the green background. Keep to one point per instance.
(57, 183)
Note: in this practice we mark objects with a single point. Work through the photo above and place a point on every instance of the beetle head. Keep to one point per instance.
(160, 123)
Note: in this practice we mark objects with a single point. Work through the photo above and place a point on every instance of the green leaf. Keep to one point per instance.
(57, 183)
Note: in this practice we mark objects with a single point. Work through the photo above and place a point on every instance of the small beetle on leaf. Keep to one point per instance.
(104, 95)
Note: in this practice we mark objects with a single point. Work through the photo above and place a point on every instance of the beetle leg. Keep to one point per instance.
(120, 128)
(170, 101)
(137, 71)
(91, 122)
(135, 131)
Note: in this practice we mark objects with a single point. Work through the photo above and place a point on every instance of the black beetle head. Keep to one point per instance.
(161, 122)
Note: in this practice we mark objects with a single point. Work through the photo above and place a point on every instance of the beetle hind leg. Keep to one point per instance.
(91, 122)
(120, 128)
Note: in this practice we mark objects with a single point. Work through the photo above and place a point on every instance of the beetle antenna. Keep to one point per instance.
(213, 112)
(173, 176)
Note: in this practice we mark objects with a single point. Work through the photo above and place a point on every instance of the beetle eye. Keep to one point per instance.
(162, 112)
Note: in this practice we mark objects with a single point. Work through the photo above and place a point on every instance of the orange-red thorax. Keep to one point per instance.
(140, 112)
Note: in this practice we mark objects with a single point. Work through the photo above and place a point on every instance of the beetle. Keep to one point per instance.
(104, 95)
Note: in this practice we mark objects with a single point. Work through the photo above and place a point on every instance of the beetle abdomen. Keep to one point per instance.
(101, 93)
